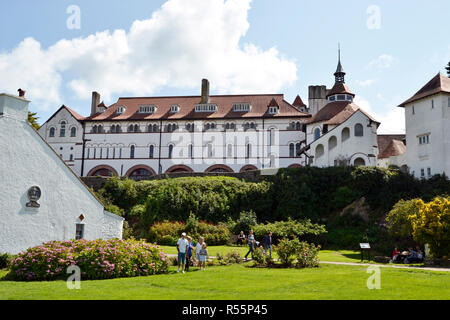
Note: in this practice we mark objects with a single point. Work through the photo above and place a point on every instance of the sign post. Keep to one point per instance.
(365, 247)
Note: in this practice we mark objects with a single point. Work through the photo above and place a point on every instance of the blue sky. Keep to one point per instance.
(384, 65)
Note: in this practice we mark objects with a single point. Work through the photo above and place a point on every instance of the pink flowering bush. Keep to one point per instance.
(97, 259)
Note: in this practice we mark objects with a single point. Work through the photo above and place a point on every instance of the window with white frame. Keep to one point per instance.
(206, 107)
(273, 110)
(424, 139)
(242, 107)
(79, 231)
(120, 109)
(174, 108)
(147, 108)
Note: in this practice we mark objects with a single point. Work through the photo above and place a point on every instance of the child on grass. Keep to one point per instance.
(203, 256)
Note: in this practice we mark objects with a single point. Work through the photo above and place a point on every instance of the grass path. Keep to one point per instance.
(240, 282)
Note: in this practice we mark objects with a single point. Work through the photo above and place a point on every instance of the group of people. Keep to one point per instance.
(265, 246)
(185, 249)
(410, 256)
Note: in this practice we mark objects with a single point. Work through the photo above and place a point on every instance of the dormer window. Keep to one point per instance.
(120, 109)
(273, 110)
(174, 108)
(332, 98)
(341, 97)
(242, 107)
(349, 98)
(147, 109)
(206, 107)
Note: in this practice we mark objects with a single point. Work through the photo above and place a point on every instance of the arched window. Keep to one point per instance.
(252, 125)
(248, 152)
(208, 126)
(319, 151)
(100, 129)
(73, 132)
(359, 162)
(232, 126)
(151, 151)
(317, 134)
(140, 174)
(345, 134)
(298, 126)
(227, 126)
(52, 132)
(271, 137)
(62, 131)
(132, 149)
(332, 143)
(359, 130)
(297, 149)
(291, 150)
(136, 128)
(170, 151)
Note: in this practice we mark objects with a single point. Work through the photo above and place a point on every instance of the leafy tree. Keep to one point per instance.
(32, 119)
(448, 69)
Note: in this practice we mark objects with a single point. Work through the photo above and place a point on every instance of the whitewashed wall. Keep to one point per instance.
(26, 161)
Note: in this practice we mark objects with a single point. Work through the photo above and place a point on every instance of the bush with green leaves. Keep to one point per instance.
(5, 259)
(297, 253)
(168, 233)
(97, 259)
(247, 219)
(302, 229)
(232, 257)
(261, 258)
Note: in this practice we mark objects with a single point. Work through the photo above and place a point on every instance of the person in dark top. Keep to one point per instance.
(267, 243)
(190, 246)
(241, 238)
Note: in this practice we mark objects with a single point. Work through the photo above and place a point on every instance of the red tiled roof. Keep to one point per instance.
(259, 103)
(73, 113)
(298, 102)
(385, 139)
(340, 87)
(439, 83)
(335, 113)
(394, 148)
(273, 103)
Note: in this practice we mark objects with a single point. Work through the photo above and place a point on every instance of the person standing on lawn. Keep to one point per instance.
(203, 256)
(182, 245)
(267, 243)
(198, 247)
(189, 253)
(251, 242)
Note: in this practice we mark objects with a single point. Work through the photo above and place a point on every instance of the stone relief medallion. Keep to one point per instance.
(34, 194)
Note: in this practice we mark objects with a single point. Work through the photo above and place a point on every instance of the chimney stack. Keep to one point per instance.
(95, 102)
(205, 91)
(22, 93)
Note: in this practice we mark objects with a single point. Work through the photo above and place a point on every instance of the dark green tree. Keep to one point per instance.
(32, 119)
(448, 69)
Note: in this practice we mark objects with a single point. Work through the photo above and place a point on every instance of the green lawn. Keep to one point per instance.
(324, 255)
(240, 282)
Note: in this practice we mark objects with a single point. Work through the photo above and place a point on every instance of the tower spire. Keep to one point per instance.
(339, 74)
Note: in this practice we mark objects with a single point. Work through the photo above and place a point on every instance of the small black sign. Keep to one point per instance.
(34, 194)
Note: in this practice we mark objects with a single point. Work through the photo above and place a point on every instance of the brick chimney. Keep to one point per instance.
(95, 102)
(22, 93)
(205, 91)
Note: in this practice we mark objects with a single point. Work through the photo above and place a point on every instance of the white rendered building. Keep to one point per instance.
(42, 199)
(427, 116)
(141, 137)
(339, 133)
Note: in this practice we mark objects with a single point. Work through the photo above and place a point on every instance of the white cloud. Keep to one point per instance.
(392, 121)
(182, 42)
(384, 61)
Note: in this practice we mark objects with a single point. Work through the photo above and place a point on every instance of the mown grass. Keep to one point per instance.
(244, 283)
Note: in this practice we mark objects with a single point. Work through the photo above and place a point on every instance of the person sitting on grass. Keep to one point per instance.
(395, 255)
(203, 256)
(182, 245)
(411, 257)
(189, 253)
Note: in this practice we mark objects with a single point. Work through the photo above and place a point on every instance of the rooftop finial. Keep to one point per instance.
(339, 74)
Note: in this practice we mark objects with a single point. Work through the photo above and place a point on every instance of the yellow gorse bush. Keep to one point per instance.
(431, 224)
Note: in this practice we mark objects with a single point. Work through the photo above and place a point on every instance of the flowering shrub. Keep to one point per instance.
(229, 258)
(97, 259)
(298, 253)
(261, 258)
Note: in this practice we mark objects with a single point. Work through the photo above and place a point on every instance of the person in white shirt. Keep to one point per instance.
(182, 245)
(198, 247)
